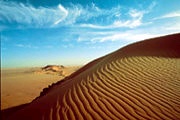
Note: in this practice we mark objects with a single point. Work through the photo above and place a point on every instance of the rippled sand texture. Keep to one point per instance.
(139, 81)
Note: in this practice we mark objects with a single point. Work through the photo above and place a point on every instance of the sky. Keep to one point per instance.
(75, 32)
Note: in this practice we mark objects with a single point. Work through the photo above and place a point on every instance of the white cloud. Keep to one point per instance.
(26, 46)
(175, 27)
(116, 24)
(62, 9)
(135, 13)
(69, 45)
(20, 45)
(30, 16)
(135, 20)
(27, 15)
(48, 46)
(125, 36)
(169, 15)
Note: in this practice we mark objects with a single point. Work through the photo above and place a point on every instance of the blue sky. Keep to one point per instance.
(74, 32)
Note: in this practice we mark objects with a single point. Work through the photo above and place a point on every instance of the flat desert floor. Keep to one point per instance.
(22, 85)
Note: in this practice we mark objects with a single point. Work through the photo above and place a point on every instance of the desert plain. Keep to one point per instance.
(22, 85)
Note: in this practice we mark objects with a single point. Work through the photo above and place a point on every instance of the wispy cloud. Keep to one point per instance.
(26, 46)
(135, 20)
(175, 27)
(26, 15)
(169, 15)
(62, 9)
(86, 23)
(116, 24)
(68, 45)
(128, 36)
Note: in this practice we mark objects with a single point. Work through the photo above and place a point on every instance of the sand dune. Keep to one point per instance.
(139, 81)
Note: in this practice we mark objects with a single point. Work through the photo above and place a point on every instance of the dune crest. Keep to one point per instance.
(140, 81)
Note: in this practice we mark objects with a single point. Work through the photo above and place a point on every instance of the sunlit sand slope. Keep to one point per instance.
(139, 81)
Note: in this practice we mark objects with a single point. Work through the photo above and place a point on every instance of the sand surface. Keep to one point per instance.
(22, 85)
(140, 81)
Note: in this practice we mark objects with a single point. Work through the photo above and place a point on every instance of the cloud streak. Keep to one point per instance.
(25, 46)
(135, 20)
(127, 36)
(169, 15)
(25, 15)
(62, 9)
